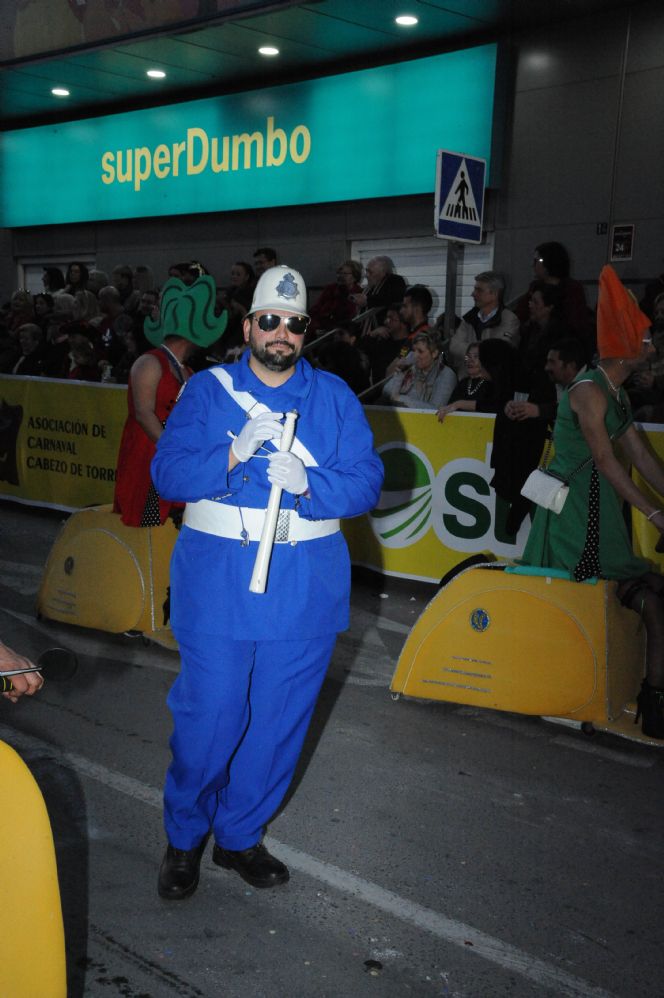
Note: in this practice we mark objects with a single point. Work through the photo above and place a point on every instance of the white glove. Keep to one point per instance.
(255, 432)
(288, 471)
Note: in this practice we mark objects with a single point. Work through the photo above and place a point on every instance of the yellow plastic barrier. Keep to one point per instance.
(33, 961)
(532, 644)
(59, 440)
(105, 575)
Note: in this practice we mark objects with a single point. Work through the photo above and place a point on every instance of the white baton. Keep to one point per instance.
(266, 543)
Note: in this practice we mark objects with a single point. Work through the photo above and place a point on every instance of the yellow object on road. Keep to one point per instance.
(528, 643)
(105, 575)
(33, 960)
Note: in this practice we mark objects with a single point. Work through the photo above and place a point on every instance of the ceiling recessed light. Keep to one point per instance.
(156, 74)
(268, 50)
(60, 92)
(406, 20)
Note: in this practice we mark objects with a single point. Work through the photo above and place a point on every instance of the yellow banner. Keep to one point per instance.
(644, 535)
(437, 506)
(59, 441)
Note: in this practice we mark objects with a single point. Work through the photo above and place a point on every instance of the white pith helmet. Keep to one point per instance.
(280, 288)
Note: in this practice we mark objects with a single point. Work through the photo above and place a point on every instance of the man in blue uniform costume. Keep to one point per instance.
(253, 663)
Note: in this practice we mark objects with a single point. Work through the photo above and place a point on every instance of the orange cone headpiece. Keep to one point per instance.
(620, 322)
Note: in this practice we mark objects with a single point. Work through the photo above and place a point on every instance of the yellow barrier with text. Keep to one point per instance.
(437, 505)
(59, 440)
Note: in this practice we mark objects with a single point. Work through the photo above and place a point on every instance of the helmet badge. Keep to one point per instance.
(287, 287)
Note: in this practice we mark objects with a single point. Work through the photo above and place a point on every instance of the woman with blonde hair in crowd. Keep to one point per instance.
(86, 306)
(428, 382)
(21, 310)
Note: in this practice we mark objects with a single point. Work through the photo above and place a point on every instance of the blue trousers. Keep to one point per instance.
(240, 710)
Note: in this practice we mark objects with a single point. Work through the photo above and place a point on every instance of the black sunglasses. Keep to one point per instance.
(296, 324)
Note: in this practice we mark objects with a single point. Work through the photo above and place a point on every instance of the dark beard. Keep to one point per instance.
(273, 361)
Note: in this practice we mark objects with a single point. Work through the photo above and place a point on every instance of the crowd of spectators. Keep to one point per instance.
(371, 329)
(368, 326)
(83, 326)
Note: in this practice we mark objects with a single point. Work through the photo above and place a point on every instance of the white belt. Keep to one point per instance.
(243, 523)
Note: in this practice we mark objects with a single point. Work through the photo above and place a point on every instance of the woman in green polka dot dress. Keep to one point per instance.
(589, 537)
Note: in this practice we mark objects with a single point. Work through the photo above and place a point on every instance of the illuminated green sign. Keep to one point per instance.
(367, 134)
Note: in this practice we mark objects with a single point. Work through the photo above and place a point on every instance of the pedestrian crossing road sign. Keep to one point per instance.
(459, 196)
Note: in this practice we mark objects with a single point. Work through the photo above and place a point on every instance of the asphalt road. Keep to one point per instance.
(434, 849)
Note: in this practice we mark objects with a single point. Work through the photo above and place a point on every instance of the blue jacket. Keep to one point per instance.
(309, 583)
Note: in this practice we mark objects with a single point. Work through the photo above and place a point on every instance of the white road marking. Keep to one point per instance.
(11, 568)
(471, 940)
(23, 579)
(366, 620)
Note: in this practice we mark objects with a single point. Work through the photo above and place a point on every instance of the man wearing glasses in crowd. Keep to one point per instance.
(253, 663)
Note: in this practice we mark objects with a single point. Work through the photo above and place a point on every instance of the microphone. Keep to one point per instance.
(54, 664)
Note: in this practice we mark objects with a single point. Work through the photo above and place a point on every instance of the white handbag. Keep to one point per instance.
(549, 490)
(546, 489)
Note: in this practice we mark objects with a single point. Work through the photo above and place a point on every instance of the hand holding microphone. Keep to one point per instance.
(255, 432)
(287, 471)
(14, 664)
(54, 663)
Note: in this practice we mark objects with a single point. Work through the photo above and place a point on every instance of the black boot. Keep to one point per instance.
(166, 607)
(650, 707)
(255, 865)
(179, 871)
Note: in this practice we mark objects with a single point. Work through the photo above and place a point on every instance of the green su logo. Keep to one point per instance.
(458, 503)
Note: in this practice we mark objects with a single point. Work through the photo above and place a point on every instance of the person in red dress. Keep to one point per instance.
(186, 322)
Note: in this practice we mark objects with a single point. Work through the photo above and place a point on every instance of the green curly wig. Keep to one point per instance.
(187, 311)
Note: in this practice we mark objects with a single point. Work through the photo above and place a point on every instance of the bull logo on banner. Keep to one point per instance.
(11, 417)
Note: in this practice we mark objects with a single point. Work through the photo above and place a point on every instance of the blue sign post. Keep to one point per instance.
(459, 197)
